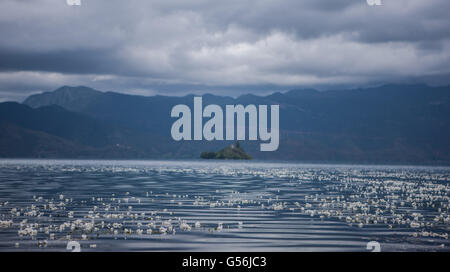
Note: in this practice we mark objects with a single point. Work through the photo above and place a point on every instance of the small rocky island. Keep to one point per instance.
(232, 152)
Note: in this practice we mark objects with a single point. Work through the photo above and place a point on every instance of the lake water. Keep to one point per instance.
(221, 206)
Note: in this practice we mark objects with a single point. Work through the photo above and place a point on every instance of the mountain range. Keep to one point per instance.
(386, 124)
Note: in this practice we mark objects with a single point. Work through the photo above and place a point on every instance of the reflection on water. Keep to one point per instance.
(221, 206)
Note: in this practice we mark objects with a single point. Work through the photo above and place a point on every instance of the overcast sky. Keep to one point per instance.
(231, 47)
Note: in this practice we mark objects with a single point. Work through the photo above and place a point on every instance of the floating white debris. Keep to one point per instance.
(185, 226)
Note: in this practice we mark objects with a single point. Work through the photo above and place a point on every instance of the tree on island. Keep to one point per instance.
(232, 152)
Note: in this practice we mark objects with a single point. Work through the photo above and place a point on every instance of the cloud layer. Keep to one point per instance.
(228, 47)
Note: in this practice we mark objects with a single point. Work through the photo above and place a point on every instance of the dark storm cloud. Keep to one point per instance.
(67, 61)
(227, 47)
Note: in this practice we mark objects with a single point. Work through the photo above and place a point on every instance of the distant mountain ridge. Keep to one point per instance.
(54, 132)
(71, 98)
(50, 131)
(391, 123)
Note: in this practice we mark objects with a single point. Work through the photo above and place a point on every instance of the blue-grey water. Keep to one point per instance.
(221, 206)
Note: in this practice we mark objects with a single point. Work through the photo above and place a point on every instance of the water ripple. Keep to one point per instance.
(225, 206)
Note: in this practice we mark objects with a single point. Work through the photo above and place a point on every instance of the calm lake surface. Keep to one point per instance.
(221, 206)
